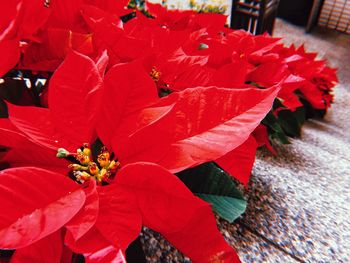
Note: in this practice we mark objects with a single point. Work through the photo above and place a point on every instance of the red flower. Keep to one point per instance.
(320, 79)
(178, 131)
(271, 73)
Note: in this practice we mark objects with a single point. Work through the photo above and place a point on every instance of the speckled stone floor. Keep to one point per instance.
(298, 202)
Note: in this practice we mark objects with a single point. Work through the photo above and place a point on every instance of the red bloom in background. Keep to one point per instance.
(20, 21)
(319, 78)
(64, 30)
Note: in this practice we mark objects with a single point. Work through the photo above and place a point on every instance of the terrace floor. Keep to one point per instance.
(298, 202)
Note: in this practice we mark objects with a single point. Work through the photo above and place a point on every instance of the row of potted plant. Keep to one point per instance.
(116, 117)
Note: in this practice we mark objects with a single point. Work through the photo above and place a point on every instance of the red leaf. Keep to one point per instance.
(10, 11)
(90, 242)
(239, 162)
(198, 128)
(108, 34)
(174, 19)
(193, 76)
(53, 48)
(313, 95)
(36, 124)
(107, 255)
(269, 74)
(178, 62)
(231, 75)
(102, 63)
(82, 222)
(262, 138)
(127, 89)
(119, 220)
(289, 99)
(34, 16)
(46, 250)
(112, 6)
(74, 97)
(168, 207)
(23, 152)
(219, 53)
(35, 206)
(9, 53)
(67, 255)
(211, 21)
(66, 14)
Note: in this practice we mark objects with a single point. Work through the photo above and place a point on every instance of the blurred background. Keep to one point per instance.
(258, 16)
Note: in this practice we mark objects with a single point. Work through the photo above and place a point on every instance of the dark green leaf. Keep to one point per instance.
(228, 208)
(311, 112)
(274, 128)
(289, 123)
(215, 186)
(299, 114)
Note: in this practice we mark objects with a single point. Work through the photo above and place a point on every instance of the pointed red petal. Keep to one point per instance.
(86, 218)
(66, 14)
(23, 152)
(193, 76)
(262, 138)
(119, 220)
(34, 16)
(10, 12)
(204, 124)
(128, 88)
(9, 53)
(37, 207)
(102, 63)
(239, 162)
(168, 207)
(105, 35)
(116, 7)
(211, 21)
(74, 96)
(313, 95)
(46, 250)
(107, 255)
(231, 75)
(36, 123)
(53, 48)
(269, 74)
(90, 242)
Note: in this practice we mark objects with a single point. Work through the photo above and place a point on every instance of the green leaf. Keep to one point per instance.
(289, 123)
(210, 183)
(228, 208)
(274, 128)
(299, 114)
(311, 112)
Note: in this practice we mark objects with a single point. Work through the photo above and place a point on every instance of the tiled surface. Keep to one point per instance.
(299, 201)
(249, 246)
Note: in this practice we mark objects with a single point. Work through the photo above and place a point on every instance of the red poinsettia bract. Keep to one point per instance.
(123, 109)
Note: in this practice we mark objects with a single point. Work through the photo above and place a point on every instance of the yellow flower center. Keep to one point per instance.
(84, 168)
(155, 74)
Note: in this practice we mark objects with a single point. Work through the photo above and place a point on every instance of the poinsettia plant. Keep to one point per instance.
(123, 111)
(112, 116)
